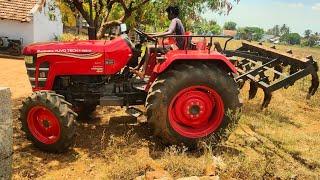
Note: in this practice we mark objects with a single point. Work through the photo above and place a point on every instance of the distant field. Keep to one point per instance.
(282, 141)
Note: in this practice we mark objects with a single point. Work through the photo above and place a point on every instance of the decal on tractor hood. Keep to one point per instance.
(73, 55)
(97, 69)
(73, 50)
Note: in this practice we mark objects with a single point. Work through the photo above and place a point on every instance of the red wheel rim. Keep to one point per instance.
(43, 125)
(196, 112)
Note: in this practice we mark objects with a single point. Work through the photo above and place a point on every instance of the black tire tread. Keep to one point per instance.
(61, 108)
(165, 83)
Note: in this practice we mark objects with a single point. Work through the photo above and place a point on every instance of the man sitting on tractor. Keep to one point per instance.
(176, 27)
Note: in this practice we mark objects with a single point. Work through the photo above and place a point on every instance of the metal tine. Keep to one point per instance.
(314, 85)
(315, 79)
(278, 68)
(253, 90)
(292, 69)
(266, 100)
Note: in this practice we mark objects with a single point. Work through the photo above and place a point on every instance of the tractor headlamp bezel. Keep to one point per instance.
(28, 59)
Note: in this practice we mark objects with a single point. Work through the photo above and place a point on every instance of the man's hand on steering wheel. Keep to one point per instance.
(147, 36)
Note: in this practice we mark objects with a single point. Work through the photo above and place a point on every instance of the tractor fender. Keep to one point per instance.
(193, 55)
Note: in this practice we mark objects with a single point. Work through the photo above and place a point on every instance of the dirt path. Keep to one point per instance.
(13, 74)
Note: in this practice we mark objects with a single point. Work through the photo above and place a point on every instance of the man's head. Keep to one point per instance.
(173, 12)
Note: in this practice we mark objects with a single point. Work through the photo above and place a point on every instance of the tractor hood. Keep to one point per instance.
(66, 47)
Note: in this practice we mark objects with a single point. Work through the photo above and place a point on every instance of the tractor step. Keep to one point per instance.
(265, 68)
(135, 112)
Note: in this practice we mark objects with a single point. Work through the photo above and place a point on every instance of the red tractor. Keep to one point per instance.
(187, 92)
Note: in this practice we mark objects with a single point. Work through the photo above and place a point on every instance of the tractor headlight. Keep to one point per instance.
(28, 59)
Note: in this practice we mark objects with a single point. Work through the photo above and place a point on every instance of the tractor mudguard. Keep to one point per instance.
(192, 55)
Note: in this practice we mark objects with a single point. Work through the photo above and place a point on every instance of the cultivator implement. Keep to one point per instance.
(270, 70)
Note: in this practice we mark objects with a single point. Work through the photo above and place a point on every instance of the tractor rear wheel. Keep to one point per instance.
(48, 121)
(189, 102)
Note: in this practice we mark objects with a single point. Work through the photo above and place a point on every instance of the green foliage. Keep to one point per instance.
(279, 31)
(274, 31)
(307, 33)
(291, 38)
(230, 26)
(251, 33)
(206, 27)
(311, 41)
(284, 30)
(150, 13)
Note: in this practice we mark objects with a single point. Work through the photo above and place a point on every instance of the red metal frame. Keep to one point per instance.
(192, 55)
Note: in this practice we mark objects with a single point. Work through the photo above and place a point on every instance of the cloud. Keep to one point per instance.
(296, 5)
(316, 7)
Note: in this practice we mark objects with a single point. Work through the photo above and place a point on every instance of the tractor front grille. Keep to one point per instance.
(42, 75)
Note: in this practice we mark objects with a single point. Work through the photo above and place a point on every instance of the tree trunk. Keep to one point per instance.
(92, 33)
(5, 134)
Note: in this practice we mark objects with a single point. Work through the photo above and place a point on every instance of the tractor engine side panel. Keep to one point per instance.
(49, 66)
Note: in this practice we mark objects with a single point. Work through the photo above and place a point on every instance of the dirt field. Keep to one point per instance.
(280, 142)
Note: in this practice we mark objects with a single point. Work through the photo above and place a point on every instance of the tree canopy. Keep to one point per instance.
(230, 26)
(291, 38)
(108, 13)
(251, 33)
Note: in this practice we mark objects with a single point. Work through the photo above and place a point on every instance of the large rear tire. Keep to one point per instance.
(48, 121)
(189, 102)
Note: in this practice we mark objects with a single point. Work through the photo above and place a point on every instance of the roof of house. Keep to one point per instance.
(18, 10)
(230, 33)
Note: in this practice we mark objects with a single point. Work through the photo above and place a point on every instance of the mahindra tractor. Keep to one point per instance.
(187, 92)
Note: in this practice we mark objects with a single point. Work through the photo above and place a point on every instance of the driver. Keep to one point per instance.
(176, 27)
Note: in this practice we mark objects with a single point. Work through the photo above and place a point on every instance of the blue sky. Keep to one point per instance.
(299, 15)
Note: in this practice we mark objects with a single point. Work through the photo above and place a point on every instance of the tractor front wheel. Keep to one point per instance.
(189, 102)
(48, 121)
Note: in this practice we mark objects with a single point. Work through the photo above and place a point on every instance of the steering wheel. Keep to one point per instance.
(143, 34)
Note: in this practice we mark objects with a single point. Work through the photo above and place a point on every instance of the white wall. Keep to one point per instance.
(17, 30)
(40, 29)
(44, 29)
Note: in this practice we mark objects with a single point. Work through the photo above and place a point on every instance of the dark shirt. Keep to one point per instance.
(177, 28)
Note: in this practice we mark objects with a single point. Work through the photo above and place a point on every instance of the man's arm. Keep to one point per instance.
(171, 29)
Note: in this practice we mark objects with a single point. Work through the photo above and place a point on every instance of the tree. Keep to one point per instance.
(284, 30)
(274, 31)
(251, 33)
(307, 33)
(312, 40)
(230, 26)
(291, 38)
(104, 14)
(206, 27)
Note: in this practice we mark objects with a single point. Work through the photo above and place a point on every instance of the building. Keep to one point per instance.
(270, 38)
(30, 20)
